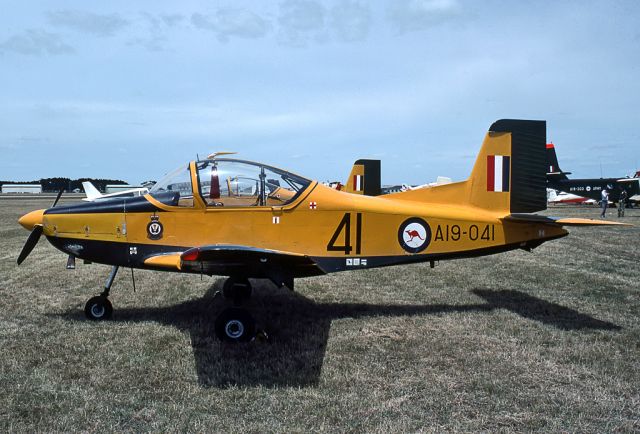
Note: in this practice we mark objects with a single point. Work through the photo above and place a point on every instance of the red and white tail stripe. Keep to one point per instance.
(358, 184)
(498, 168)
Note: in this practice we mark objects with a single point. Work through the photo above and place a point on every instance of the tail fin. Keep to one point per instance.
(364, 178)
(528, 190)
(508, 175)
(90, 190)
(553, 168)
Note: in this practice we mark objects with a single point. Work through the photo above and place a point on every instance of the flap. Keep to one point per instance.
(234, 254)
(233, 260)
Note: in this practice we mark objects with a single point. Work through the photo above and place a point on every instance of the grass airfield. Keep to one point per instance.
(542, 341)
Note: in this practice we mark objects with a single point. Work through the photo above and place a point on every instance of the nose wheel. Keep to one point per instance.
(98, 308)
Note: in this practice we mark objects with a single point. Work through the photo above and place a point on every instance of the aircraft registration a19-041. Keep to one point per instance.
(228, 217)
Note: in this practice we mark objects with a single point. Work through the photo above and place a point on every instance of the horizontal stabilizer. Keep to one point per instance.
(588, 222)
(568, 221)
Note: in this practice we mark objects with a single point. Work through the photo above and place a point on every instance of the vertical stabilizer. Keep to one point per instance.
(91, 191)
(507, 177)
(364, 178)
(528, 158)
(553, 168)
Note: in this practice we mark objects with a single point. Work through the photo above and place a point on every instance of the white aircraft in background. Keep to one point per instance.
(560, 197)
(440, 180)
(94, 194)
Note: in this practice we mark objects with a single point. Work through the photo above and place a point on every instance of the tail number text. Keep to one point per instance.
(471, 233)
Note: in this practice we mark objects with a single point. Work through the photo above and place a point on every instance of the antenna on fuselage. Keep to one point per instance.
(216, 154)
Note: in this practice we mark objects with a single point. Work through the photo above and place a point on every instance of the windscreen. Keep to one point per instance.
(175, 188)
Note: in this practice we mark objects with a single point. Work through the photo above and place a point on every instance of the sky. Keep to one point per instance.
(131, 90)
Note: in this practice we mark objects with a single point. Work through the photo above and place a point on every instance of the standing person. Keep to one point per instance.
(604, 202)
(622, 203)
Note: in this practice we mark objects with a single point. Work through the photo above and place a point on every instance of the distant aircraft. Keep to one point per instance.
(94, 194)
(554, 197)
(591, 187)
(364, 178)
(440, 180)
(229, 217)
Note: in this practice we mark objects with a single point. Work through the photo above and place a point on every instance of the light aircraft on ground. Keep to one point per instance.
(555, 197)
(229, 217)
(440, 180)
(94, 194)
(590, 187)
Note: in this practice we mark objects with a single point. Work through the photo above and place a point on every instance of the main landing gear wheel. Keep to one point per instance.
(235, 325)
(98, 308)
(237, 289)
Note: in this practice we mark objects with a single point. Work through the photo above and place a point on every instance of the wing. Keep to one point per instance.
(230, 260)
(570, 221)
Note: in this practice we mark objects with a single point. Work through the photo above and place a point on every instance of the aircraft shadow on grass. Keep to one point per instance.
(299, 330)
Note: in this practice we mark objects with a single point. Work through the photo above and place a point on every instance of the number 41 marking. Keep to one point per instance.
(345, 226)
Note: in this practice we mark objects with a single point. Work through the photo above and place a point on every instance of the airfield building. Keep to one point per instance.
(22, 188)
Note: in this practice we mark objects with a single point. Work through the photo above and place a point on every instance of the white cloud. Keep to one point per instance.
(301, 22)
(227, 23)
(36, 42)
(172, 19)
(87, 22)
(351, 21)
(415, 15)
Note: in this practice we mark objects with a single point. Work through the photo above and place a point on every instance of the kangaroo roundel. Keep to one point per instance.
(414, 235)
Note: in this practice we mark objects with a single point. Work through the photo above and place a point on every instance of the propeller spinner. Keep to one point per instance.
(33, 221)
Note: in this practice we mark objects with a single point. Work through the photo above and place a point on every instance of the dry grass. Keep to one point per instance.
(548, 341)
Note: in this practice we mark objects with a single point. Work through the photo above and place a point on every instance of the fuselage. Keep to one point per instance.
(337, 230)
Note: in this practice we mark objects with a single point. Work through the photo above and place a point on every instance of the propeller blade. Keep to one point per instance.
(55, 202)
(34, 236)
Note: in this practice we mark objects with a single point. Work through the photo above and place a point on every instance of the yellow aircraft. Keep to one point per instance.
(228, 217)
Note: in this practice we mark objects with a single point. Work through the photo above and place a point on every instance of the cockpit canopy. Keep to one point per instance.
(229, 183)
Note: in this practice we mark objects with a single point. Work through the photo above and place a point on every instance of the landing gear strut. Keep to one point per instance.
(237, 288)
(99, 307)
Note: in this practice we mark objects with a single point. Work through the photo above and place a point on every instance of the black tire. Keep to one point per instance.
(98, 308)
(235, 325)
(237, 289)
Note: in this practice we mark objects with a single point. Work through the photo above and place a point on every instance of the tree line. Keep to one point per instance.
(68, 184)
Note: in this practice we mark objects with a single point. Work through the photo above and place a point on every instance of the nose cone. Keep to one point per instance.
(28, 221)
